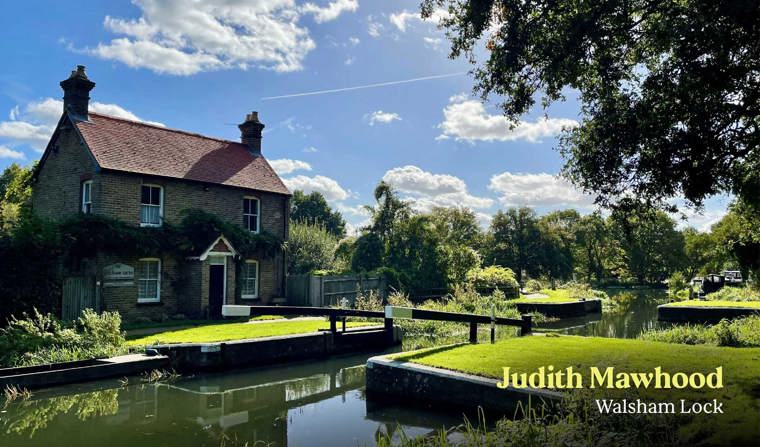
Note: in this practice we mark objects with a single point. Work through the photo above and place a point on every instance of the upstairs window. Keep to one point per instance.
(149, 282)
(87, 197)
(250, 280)
(151, 206)
(251, 214)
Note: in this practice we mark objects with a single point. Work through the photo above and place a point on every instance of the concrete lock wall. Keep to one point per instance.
(406, 382)
(709, 315)
(562, 310)
(271, 350)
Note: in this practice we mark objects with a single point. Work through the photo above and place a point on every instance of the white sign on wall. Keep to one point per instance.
(116, 275)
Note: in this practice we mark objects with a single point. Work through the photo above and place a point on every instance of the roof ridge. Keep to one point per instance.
(170, 129)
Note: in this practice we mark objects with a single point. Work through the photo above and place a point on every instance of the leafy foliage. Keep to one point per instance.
(494, 277)
(15, 195)
(669, 91)
(41, 338)
(310, 247)
(742, 332)
(368, 253)
(313, 209)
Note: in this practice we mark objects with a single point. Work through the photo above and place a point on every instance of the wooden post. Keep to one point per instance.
(493, 324)
(526, 324)
(344, 324)
(473, 332)
(333, 324)
(388, 322)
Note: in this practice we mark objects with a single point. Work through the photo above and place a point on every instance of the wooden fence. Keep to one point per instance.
(324, 291)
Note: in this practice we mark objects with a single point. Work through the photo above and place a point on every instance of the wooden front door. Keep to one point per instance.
(216, 290)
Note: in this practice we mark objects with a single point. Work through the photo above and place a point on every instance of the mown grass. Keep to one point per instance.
(741, 371)
(552, 296)
(715, 303)
(234, 331)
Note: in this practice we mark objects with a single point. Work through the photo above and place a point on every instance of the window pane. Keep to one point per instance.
(155, 196)
(145, 194)
(150, 214)
(246, 206)
(86, 192)
(255, 207)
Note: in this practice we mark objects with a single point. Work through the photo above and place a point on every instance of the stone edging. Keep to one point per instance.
(562, 310)
(419, 384)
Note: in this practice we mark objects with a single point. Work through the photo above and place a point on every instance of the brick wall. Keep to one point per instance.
(119, 197)
(56, 194)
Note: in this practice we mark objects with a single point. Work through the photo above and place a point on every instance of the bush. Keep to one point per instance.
(729, 293)
(42, 338)
(310, 247)
(368, 253)
(676, 283)
(533, 286)
(494, 277)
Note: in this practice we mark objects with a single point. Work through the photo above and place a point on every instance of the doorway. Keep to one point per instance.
(217, 286)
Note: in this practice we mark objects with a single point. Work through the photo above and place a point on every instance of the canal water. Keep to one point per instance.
(635, 312)
(319, 403)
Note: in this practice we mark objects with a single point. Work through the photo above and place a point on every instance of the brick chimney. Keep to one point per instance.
(76, 93)
(250, 132)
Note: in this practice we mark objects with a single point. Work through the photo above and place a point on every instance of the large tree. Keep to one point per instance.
(313, 209)
(669, 90)
(513, 241)
(15, 195)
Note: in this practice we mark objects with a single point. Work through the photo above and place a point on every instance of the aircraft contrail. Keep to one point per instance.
(360, 87)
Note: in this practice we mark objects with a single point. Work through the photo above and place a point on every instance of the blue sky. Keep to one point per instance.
(201, 66)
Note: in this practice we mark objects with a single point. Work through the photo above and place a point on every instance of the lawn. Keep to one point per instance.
(716, 303)
(741, 371)
(553, 296)
(235, 331)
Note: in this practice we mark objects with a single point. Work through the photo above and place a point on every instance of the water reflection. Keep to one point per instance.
(314, 404)
(635, 312)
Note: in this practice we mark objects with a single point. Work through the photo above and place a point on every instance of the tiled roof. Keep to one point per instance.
(141, 148)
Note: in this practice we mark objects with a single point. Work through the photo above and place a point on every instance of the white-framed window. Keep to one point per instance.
(249, 287)
(151, 205)
(87, 197)
(251, 214)
(149, 280)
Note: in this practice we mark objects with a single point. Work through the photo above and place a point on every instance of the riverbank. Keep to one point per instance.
(741, 372)
(706, 311)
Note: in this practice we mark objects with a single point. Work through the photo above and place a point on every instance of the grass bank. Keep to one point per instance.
(552, 296)
(715, 303)
(741, 371)
(234, 331)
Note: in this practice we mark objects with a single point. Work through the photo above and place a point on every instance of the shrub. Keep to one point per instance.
(494, 277)
(742, 332)
(533, 286)
(42, 338)
(369, 301)
(728, 293)
(310, 247)
(676, 283)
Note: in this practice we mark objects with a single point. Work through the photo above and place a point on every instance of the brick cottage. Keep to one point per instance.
(145, 175)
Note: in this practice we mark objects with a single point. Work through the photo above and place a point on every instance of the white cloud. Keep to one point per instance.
(427, 190)
(35, 123)
(350, 61)
(542, 189)
(285, 166)
(467, 119)
(310, 150)
(354, 41)
(433, 42)
(331, 11)
(381, 117)
(329, 188)
(184, 37)
(6, 152)
(374, 28)
(402, 19)
(701, 220)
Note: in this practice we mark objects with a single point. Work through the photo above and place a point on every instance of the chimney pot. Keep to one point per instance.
(76, 93)
(250, 132)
